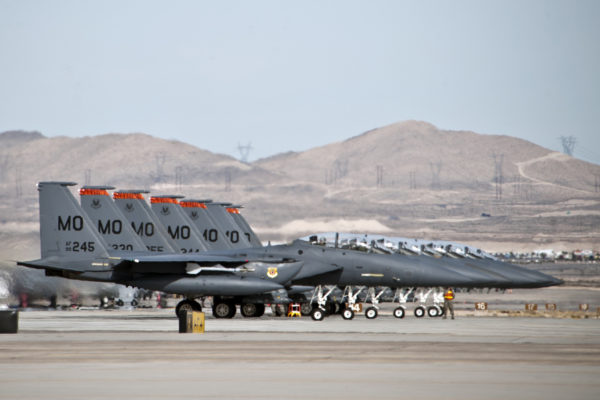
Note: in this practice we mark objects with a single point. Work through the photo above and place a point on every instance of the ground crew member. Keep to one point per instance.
(448, 305)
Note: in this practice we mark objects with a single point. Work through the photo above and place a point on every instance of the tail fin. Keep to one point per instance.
(65, 230)
(239, 219)
(179, 228)
(211, 232)
(132, 205)
(235, 235)
(111, 224)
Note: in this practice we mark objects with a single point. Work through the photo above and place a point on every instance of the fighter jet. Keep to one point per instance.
(71, 247)
(335, 270)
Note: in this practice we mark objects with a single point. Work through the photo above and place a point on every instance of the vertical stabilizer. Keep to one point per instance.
(110, 222)
(239, 219)
(178, 225)
(235, 235)
(65, 230)
(145, 224)
(212, 233)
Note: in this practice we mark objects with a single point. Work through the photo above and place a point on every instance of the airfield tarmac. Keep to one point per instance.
(138, 354)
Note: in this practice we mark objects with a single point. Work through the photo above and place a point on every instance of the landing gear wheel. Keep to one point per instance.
(371, 313)
(440, 310)
(249, 310)
(348, 314)
(332, 308)
(306, 308)
(317, 314)
(420, 312)
(252, 310)
(399, 312)
(432, 311)
(224, 310)
(260, 310)
(187, 305)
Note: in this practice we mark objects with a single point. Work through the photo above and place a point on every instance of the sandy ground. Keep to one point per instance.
(140, 355)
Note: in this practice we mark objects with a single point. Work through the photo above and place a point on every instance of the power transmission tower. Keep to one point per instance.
(412, 176)
(498, 176)
(244, 151)
(18, 183)
(436, 169)
(517, 185)
(228, 180)
(160, 162)
(179, 178)
(379, 175)
(568, 143)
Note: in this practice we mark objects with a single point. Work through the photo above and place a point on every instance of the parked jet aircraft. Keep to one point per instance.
(72, 248)
(318, 269)
(325, 268)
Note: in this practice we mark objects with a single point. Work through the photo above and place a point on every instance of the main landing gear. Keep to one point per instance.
(433, 311)
(187, 305)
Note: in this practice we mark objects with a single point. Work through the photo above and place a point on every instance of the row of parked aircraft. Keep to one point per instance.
(199, 248)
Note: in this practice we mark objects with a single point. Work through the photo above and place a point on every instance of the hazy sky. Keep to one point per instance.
(293, 75)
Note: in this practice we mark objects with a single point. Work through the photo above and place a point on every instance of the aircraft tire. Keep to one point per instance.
(432, 311)
(187, 305)
(399, 312)
(348, 314)
(371, 313)
(306, 308)
(223, 310)
(420, 312)
(332, 308)
(248, 310)
(440, 310)
(317, 314)
(252, 310)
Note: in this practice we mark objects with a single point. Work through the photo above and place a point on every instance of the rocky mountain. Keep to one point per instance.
(406, 179)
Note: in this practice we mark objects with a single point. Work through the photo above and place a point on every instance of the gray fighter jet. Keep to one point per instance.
(324, 267)
(72, 247)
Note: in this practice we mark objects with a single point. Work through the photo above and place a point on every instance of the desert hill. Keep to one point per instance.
(406, 179)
